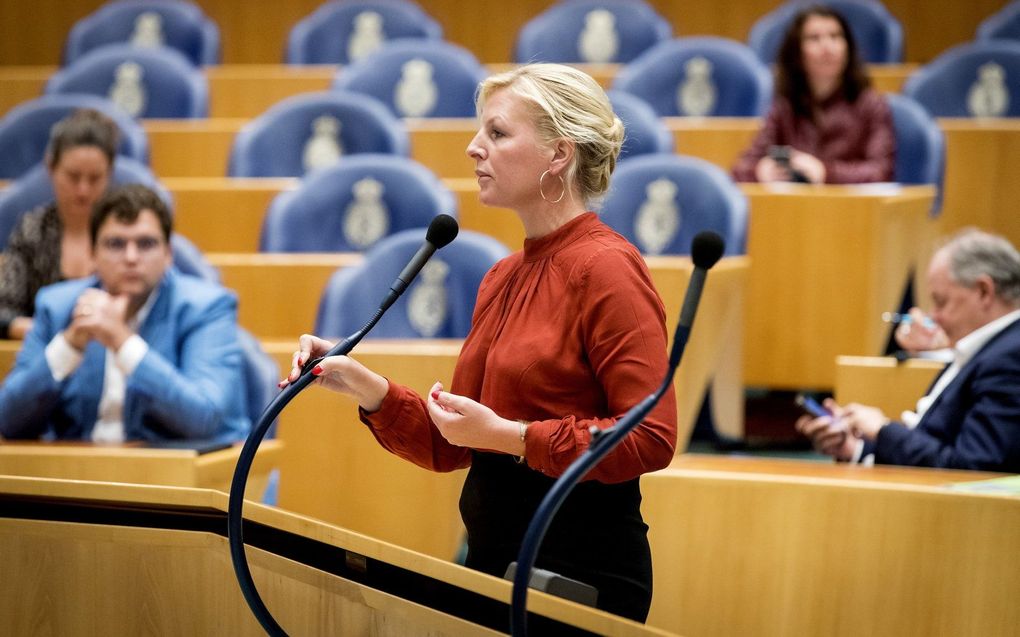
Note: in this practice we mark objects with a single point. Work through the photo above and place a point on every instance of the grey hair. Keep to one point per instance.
(567, 104)
(973, 253)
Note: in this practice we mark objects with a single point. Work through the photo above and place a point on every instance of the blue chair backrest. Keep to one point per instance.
(34, 189)
(438, 303)
(592, 31)
(352, 205)
(644, 132)
(179, 25)
(659, 202)
(261, 373)
(977, 79)
(920, 146)
(417, 78)
(344, 32)
(143, 82)
(1002, 25)
(188, 258)
(702, 76)
(290, 139)
(878, 34)
(25, 130)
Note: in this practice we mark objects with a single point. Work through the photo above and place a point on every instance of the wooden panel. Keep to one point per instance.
(278, 294)
(134, 580)
(884, 382)
(138, 465)
(21, 83)
(981, 189)
(223, 214)
(800, 548)
(826, 262)
(191, 148)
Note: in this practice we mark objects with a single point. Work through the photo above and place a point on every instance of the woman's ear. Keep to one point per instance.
(563, 154)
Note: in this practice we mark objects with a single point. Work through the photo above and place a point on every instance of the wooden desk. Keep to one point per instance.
(279, 293)
(884, 382)
(128, 560)
(826, 262)
(763, 547)
(137, 465)
(981, 188)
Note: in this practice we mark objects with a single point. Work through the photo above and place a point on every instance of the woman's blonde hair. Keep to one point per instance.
(567, 104)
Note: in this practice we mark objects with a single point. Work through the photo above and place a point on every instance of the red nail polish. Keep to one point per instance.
(316, 370)
(435, 395)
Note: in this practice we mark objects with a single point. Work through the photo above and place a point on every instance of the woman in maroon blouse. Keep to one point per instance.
(826, 124)
(567, 335)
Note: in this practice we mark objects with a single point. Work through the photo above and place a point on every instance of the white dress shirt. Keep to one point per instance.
(64, 359)
(964, 350)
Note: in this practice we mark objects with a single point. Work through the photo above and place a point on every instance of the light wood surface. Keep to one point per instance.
(138, 465)
(981, 188)
(826, 262)
(114, 579)
(772, 547)
(278, 294)
(884, 382)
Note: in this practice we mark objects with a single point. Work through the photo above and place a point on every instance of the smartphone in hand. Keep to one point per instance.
(812, 407)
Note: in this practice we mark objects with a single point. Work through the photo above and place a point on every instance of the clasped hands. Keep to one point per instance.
(769, 170)
(99, 316)
(838, 435)
(462, 421)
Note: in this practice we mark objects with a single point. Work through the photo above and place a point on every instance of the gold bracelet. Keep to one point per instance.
(523, 428)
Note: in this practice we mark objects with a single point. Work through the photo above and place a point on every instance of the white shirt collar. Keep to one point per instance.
(972, 343)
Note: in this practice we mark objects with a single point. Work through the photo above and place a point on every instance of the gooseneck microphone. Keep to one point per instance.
(706, 249)
(441, 231)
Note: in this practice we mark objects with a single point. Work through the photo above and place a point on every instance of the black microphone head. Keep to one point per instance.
(706, 249)
(442, 231)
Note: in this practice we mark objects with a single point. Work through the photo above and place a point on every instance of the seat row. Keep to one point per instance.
(591, 31)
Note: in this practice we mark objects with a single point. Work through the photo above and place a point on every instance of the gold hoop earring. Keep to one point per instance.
(542, 192)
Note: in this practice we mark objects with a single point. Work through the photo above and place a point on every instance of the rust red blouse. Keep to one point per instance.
(566, 334)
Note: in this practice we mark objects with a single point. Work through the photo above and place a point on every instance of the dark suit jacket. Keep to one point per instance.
(975, 421)
(188, 385)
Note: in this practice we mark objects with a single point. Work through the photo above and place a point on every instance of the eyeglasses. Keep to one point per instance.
(118, 245)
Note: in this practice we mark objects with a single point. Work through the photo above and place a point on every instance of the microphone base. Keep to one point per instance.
(555, 584)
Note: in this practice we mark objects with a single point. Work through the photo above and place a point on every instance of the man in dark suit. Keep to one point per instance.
(970, 417)
(137, 352)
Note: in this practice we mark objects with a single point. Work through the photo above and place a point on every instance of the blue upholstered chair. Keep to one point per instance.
(315, 130)
(143, 82)
(702, 76)
(878, 34)
(439, 302)
(977, 79)
(644, 131)
(344, 32)
(417, 78)
(1001, 25)
(352, 205)
(179, 25)
(25, 130)
(659, 202)
(593, 31)
(920, 146)
(34, 189)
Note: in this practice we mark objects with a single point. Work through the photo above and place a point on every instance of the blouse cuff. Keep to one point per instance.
(388, 412)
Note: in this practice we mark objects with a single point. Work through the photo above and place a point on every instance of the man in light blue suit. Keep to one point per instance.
(970, 417)
(137, 352)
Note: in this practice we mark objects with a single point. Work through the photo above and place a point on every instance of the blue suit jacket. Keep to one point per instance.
(975, 421)
(188, 385)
